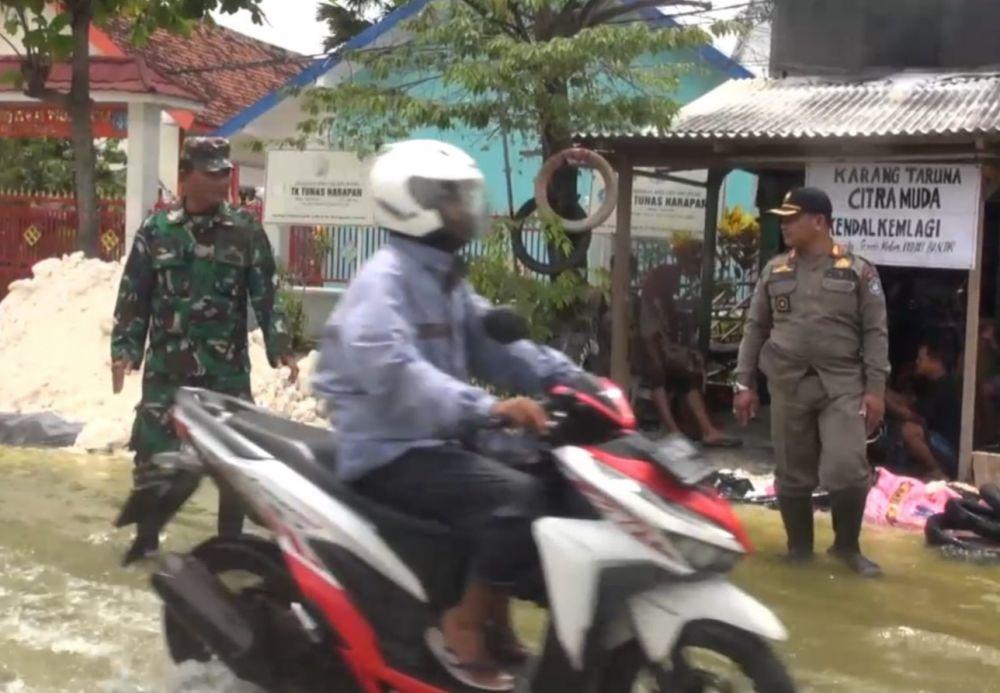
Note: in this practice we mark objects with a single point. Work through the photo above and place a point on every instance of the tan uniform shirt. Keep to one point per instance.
(824, 314)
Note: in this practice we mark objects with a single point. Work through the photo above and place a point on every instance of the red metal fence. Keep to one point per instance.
(36, 227)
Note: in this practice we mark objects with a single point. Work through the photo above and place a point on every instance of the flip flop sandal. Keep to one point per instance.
(460, 670)
(725, 442)
(505, 646)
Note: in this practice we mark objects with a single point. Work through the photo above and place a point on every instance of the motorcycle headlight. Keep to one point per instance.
(704, 557)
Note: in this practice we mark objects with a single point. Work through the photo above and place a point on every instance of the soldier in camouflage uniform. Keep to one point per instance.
(185, 285)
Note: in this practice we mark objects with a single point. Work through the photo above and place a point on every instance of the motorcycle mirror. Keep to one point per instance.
(504, 325)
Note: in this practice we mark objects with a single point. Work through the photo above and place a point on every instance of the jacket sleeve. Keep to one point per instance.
(521, 367)
(379, 343)
(874, 330)
(132, 307)
(261, 286)
(756, 330)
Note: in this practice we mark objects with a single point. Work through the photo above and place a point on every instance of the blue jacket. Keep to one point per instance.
(398, 352)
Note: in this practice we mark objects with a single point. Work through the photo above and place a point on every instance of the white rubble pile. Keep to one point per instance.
(55, 354)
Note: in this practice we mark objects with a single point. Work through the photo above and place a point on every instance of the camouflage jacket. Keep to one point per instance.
(186, 284)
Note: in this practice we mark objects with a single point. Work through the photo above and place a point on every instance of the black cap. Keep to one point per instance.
(804, 200)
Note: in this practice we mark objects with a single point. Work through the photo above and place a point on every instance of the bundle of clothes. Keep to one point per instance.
(958, 519)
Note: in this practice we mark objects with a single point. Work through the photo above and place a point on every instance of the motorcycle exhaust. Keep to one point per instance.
(210, 613)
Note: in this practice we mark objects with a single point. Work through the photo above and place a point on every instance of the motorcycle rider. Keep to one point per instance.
(394, 369)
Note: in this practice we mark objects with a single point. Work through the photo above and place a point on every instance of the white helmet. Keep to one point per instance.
(424, 186)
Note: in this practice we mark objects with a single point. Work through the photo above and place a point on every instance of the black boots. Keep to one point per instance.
(797, 514)
(848, 509)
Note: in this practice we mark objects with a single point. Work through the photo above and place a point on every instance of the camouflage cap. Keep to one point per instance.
(208, 154)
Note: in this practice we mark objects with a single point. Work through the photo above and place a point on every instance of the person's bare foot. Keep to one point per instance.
(467, 642)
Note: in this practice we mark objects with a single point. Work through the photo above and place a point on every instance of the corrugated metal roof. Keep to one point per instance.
(901, 105)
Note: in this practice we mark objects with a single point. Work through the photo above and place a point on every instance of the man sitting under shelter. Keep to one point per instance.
(924, 427)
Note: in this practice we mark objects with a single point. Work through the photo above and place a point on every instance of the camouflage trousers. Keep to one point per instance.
(153, 430)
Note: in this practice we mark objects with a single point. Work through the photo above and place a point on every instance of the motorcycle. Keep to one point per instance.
(340, 592)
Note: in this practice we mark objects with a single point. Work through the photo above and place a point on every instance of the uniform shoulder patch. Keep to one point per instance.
(780, 263)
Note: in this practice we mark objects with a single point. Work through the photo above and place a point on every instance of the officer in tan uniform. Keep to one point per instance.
(817, 330)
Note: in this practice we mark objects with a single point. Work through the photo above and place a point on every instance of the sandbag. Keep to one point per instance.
(41, 430)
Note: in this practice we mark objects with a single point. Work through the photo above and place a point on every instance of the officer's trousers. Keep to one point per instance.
(818, 440)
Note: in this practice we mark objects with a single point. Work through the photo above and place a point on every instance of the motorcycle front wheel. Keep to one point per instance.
(709, 657)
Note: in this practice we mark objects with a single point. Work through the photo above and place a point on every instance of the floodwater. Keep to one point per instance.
(72, 620)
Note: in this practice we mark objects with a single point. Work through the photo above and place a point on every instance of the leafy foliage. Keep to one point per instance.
(51, 32)
(290, 297)
(46, 165)
(349, 18)
(541, 68)
(546, 304)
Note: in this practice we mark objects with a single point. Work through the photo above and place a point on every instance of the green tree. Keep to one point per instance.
(60, 31)
(346, 19)
(46, 165)
(542, 69)
(546, 305)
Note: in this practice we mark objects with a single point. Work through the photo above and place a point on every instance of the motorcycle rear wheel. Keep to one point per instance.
(225, 558)
(754, 664)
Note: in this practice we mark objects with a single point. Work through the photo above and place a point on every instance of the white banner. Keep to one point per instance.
(317, 187)
(908, 215)
(659, 207)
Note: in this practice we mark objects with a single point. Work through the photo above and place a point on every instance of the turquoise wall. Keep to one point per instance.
(698, 79)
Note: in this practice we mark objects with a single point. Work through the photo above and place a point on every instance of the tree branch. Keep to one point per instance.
(588, 9)
(11, 44)
(519, 21)
(626, 8)
(50, 96)
(507, 28)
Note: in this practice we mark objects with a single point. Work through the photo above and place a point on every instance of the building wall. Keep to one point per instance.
(487, 148)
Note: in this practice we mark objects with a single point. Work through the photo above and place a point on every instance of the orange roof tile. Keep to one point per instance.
(227, 70)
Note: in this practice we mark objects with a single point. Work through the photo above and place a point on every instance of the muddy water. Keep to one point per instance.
(72, 620)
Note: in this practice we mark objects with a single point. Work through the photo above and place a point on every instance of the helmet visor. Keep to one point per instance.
(461, 204)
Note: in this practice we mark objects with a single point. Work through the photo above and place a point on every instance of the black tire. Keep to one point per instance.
(247, 554)
(752, 655)
(581, 243)
(940, 532)
(991, 494)
(973, 516)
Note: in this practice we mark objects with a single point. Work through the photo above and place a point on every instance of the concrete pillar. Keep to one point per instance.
(713, 186)
(621, 278)
(143, 165)
(170, 141)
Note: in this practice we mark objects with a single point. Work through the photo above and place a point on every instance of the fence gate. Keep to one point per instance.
(36, 227)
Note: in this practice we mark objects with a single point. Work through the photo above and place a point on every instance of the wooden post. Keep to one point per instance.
(971, 358)
(715, 177)
(621, 277)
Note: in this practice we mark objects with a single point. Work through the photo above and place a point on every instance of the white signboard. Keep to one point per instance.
(659, 207)
(317, 187)
(909, 215)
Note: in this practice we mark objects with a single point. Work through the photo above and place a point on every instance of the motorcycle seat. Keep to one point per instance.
(311, 451)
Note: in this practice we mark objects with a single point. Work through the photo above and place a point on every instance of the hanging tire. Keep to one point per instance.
(581, 243)
(585, 158)
(759, 667)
